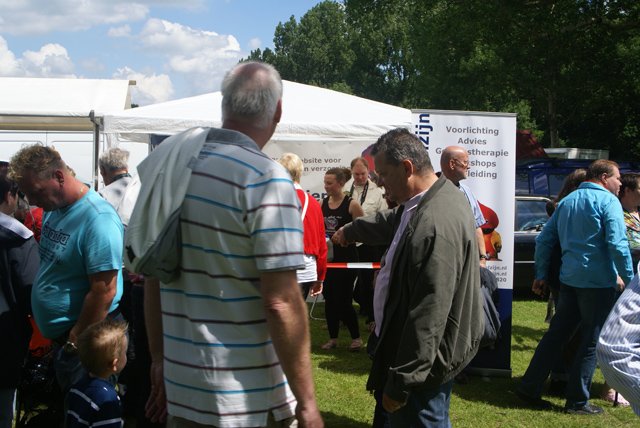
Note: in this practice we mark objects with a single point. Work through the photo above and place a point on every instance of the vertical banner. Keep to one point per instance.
(490, 140)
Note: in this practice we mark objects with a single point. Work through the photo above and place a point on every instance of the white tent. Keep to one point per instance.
(59, 104)
(324, 127)
(308, 112)
(64, 113)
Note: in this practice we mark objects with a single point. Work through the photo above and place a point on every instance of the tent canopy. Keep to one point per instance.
(59, 104)
(309, 113)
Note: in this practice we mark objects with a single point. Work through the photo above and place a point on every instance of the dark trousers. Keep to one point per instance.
(338, 295)
(142, 364)
(427, 408)
(364, 287)
(588, 308)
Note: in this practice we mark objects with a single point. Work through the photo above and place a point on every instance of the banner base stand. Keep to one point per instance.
(485, 372)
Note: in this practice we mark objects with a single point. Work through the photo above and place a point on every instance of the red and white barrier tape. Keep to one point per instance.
(362, 265)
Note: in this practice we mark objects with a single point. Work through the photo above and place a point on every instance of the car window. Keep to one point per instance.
(531, 214)
(522, 184)
(555, 183)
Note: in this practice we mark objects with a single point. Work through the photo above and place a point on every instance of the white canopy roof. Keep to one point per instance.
(309, 113)
(58, 104)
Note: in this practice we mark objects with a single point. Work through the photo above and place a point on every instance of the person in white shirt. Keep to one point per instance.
(371, 197)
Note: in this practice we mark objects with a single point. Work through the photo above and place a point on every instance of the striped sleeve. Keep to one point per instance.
(618, 348)
(274, 223)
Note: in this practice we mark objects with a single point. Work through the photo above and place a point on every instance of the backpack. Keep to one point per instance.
(492, 324)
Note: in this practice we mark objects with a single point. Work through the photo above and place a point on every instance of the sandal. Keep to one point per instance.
(331, 344)
(356, 345)
(610, 396)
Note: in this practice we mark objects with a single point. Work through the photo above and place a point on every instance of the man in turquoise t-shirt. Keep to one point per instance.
(80, 280)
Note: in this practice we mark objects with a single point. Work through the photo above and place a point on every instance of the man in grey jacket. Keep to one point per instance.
(427, 304)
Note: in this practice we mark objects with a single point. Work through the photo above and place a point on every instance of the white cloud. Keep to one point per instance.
(42, 16)
(9, 65)
(20, 17)
(201, 57)
(255, 43)
(52, 60)
(149, 89)
(122, 31)
(173, 38)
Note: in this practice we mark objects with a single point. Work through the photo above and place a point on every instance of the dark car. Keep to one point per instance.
(530, 218)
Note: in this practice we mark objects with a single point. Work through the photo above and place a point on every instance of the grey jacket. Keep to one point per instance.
(19, 261)
(433, 316)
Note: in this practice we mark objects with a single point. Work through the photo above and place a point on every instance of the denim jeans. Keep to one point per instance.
(380, 415)
(588, 308)
(427, 408)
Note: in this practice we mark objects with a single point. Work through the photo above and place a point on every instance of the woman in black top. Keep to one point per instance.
(339, 210)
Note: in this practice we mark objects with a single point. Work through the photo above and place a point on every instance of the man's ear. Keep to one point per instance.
(408, 167)
(278, 115)
(58, 175)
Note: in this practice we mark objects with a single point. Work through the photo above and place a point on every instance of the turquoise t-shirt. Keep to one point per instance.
(77, 241)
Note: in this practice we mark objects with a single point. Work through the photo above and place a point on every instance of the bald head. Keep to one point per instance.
(454, 163)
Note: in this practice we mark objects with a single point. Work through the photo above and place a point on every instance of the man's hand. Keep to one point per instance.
(339, 239)
(309, 417)
(391, 405)
(156, 407)
(540, 287)
(316, 288)
(620, 284)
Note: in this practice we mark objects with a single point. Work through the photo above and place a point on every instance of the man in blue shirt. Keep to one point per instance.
(588, 224)
(79, 281)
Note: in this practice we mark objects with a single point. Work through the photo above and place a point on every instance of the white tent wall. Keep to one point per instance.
(65, 113)
(324, 127)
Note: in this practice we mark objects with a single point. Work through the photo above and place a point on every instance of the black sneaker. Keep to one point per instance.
(557, 388)
(534, 402)
(587, 409)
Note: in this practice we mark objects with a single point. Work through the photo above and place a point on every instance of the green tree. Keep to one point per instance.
(317, 50)
(383, 68)
(569, 68)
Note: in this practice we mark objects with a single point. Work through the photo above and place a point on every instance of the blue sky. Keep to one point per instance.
(171, 48)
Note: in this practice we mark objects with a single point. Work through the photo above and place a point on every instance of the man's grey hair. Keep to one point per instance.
(114, 159)
(250, 92)
(398, 145)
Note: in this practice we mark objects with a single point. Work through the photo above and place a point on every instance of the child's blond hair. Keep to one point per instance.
(101, 343)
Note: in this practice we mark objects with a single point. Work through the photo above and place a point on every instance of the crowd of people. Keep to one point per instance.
(225, 342)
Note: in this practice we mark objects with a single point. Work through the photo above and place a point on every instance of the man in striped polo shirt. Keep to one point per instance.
(234, 325)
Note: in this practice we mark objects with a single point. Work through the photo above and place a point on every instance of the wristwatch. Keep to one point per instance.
(484, 257)
(70, 348)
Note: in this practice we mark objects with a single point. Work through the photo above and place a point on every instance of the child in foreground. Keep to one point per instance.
(93, 401)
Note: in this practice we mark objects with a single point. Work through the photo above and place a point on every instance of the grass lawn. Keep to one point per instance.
(340, 378)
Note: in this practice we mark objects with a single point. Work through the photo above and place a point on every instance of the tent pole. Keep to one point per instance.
(96, 148)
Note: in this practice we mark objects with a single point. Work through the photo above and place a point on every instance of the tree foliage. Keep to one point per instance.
(569, 68)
